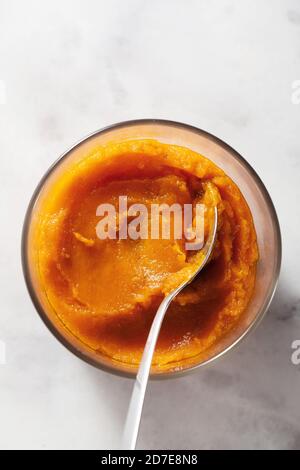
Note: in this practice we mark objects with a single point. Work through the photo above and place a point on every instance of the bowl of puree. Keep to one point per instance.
(99, 296)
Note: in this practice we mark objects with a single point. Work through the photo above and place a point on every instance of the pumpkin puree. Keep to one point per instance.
(106, 292)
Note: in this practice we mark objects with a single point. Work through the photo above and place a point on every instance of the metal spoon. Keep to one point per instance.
(138, 394)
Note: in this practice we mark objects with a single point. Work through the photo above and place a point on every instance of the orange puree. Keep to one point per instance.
(106, 292)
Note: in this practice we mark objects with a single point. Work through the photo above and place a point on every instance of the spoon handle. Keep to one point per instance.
(137, 398)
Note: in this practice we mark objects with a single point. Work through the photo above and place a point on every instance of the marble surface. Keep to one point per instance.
(68, 68)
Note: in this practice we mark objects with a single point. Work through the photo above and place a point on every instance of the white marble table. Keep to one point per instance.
(68, 68)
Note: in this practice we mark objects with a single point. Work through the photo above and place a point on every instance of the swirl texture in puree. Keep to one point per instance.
(106, 292)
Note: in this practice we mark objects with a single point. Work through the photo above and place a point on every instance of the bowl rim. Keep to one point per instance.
(25, 262)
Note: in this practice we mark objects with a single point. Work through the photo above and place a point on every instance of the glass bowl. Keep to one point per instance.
(235, 166)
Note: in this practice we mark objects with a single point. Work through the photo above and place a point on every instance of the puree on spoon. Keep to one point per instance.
(106, 292)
